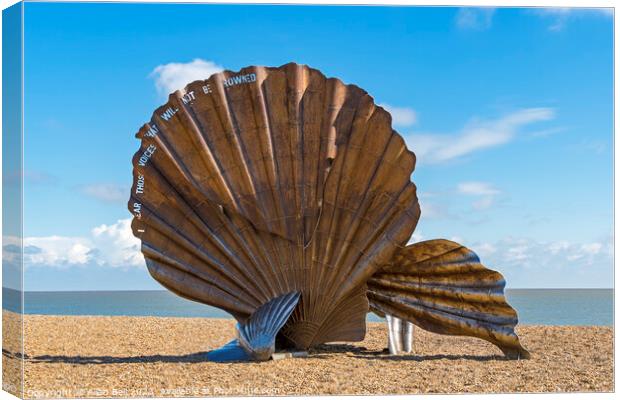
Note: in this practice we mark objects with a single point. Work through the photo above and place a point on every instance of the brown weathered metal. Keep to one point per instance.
(253, 185)
(441, 286)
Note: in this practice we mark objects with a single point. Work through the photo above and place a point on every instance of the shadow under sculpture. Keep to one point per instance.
(285, 198)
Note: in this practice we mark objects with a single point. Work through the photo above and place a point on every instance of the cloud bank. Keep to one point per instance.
(527, 262)
(107, 245)
(530, 254)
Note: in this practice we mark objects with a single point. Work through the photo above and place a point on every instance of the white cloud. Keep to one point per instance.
(476, 135)
(560, 16)
(175, 76)
(557, 247)
(485, 249)
(543, 133)
(401, 116)
(116, 244)
(484, 203)
(430, 209)
(78, 253)
(456, 239)
(479, 18)
(592, 248)
(485, 191)
(477, 189)
(108, 245)
(106, 192)
(516, 253)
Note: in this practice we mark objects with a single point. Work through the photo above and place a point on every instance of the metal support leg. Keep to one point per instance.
(400, 335)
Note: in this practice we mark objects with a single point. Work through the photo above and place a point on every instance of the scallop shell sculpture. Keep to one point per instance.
(284, 198)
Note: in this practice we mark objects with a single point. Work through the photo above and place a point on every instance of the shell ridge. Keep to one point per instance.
(471, 317)
(262, 247)
(179, 265)
(212, 163)
(172, 156)
(182, 169)
(261, 270)
(239, 146)
(342, 183)
(168, 232)
(313, 173)
(500, 314)
(180, 283)
(262, 89)
(272, 174)
(284, 210)
(255, 241)
(337, 208)
(472, 291)
(246, 156)
(231, 137)
(263, 105)
(322, 171)
(301, 133)
(296, 142)
(410, 262)
(344, 319)
(176, 280)
(333, 173)
(273, 276)
(204, 227)
(372, 242)
(336, 154)
(361, 210)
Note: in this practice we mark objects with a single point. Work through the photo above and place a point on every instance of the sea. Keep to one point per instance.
(534, 306)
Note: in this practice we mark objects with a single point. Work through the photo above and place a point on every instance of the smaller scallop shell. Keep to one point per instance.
(442, 287)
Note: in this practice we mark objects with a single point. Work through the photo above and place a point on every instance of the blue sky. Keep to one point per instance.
(510, 112)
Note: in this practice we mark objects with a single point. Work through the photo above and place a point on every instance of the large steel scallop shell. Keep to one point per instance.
(258, 183)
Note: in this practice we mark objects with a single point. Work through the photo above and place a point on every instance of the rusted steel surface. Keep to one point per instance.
(254, 184)
(442, 287)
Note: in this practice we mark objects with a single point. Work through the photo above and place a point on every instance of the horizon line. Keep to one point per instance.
(165, 290)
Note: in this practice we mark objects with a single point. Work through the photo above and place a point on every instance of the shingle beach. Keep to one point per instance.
(76, 356)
